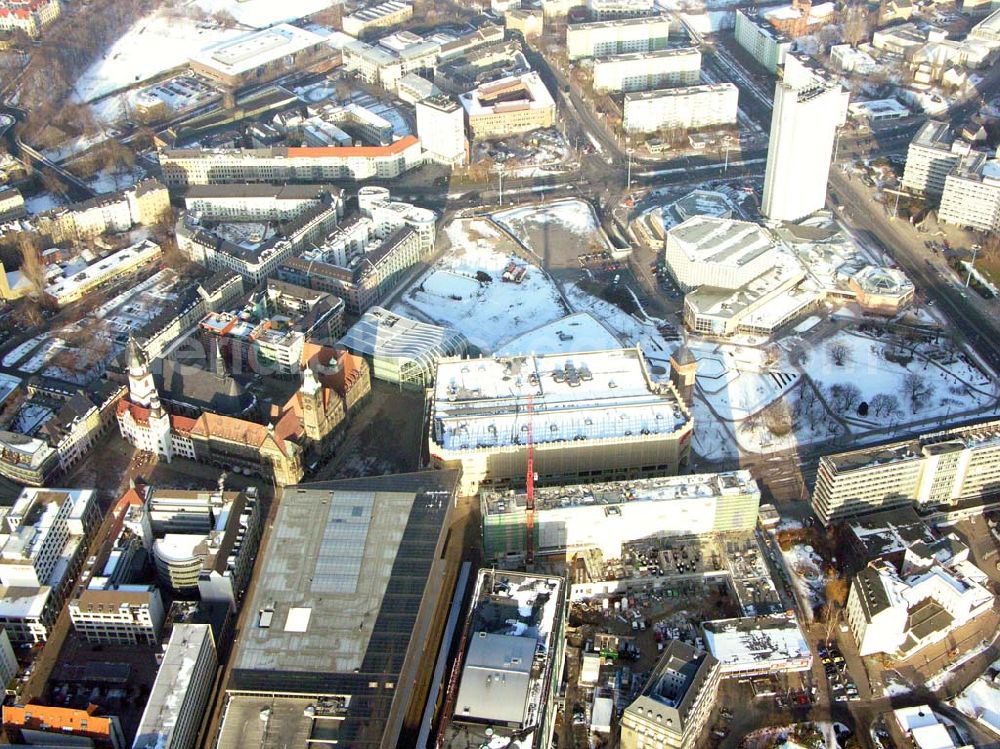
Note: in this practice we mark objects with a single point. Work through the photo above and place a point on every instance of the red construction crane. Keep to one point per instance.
(530, 484)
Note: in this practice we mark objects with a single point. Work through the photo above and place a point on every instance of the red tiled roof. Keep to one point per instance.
(347, 152)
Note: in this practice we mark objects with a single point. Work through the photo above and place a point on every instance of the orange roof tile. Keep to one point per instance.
(347, 152)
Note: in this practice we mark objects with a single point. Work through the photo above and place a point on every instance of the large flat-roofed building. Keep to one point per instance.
(607, 516)
(259, 202)
(941, 468)
(181, 691)
(757, 646)
(987, 30)
(718, 252)
(604, 10)
(603, 38)
(594, 415)
(66, 290)
(510, 672)
(511, 105)
(260, 55)
(675, 703)
(766, 44)
(971, 195)
(185, 167)
(400, 350)
(685, 107)
(643, 71)
(381, 16)
(931, 157)
(807, 112)
(348, 609)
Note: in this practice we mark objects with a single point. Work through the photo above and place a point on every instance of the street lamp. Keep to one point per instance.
(629, 180)
(972, 265)
(726, 141)
(500, 173)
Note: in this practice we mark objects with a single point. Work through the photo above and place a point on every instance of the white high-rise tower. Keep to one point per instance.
(807, 113)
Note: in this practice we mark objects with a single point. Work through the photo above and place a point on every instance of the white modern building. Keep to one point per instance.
(181, 691)
(261, 202)
(604, 10)
(901, 611)
(971, 195)
(936, 469)
(850, 59)
(644, 71)
(933, 154)
(186, 167)
(765, 44)
(987, 30)
(42, 546)
(807, 113)
(441, 129)
(719, 252)
(686, 107)
(604, 38)
(596, 414)
(64, 290)
(757, 646)
(606, 516)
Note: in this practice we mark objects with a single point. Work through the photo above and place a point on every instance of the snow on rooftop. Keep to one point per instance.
(243, 54)
(740, 643)
(593, 395)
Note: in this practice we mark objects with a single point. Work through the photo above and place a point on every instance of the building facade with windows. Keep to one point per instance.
(684, 108)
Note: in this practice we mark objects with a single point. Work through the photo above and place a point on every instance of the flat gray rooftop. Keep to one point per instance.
(346, 570)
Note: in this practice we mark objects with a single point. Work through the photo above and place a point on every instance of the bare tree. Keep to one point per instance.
(839, 353)
(32, 267)
(778, 418)
(915, 386)
(885, 405)
(837, 590)
(844, 397)
(855, 24)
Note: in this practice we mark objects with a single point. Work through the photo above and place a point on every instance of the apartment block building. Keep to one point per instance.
(604, 38)
(260, 202)
(645, 71)
(686, 107)
(766, 44)
(937, 469)
(971, 195)
(253, 254)
(117, 614)
(28, 16)
(933, 153)
(185, 167)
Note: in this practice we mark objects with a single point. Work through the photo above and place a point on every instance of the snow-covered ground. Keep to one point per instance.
(981, 701)
(261, 13)
(104, 181)
(807, 573)
(568, 221)
(44, 202)
(162, 40)
(578, 332)
(488, 313)
(167, 37)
